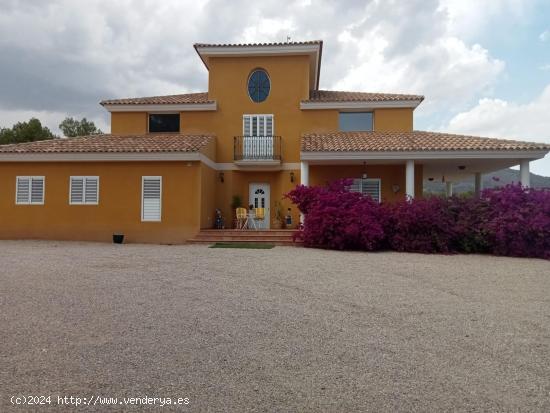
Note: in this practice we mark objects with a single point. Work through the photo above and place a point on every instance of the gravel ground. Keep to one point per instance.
(287, 329)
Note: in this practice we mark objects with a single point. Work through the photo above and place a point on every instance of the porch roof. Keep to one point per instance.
(415, 141)
(107, 143)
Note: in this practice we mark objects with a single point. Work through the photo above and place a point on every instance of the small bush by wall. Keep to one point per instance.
(511, 221)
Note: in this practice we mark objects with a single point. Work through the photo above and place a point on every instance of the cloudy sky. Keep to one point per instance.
(484, 66)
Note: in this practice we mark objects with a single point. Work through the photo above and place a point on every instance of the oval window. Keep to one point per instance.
(258, 85)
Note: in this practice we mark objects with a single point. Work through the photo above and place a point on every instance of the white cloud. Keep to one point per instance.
(544, 36)
(504, 119)
(545, 67)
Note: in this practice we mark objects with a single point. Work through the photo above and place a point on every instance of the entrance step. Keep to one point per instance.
(276, 236)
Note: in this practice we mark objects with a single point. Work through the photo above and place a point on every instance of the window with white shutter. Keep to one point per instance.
(367, 186)
(257, 125)
(29, 190)
(151, 198)
(84, 190)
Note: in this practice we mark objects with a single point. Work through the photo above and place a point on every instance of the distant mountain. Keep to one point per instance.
(501, 178)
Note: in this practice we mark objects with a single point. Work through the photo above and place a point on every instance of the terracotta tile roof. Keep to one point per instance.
(340, 96)
(409, 141)
(201, 97)
(113, 144)
(319, 42)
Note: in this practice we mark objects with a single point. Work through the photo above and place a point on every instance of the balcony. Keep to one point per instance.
(257, 150)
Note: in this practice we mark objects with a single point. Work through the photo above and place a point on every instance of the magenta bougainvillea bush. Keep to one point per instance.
(511, 221)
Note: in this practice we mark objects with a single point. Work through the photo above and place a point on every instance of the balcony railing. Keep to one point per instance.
(257, 148)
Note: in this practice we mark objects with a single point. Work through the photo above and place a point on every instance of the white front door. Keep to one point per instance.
(259, 198)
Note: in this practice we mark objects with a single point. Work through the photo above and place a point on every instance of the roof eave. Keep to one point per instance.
(428, 154)
(356, 105)
(161, 107)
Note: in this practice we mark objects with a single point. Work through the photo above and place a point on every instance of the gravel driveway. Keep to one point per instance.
(287, 329)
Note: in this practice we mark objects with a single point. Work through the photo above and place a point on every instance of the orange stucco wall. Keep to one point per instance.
(393, 120)
(119, 208)
(128, 122)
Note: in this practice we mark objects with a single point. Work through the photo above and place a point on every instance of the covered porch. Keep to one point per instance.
(401, 160)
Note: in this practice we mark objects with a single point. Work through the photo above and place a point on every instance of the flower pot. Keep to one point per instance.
(277, 224)
(118, 238)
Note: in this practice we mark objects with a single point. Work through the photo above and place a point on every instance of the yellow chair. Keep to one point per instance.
(259, 214)
(241, 214)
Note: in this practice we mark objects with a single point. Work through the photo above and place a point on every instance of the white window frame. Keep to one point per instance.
(379, 180)
(30, 178)
(143, 178)
(84, 178)
(257, 115)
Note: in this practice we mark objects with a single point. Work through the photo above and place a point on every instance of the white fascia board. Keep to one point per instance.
(360, 105)
(137, 157)
(257, 51)
(336, 156)
(182, 107)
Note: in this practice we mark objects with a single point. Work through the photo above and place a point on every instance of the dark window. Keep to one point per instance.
(258, 85)
(356, 121)
(164, 122)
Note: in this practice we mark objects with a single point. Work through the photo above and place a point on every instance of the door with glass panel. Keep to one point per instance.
(259, 198)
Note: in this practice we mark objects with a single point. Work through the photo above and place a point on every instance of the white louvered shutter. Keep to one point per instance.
(77, 190)
(23, 195)
(247, 125)
(84, 190)
(30, 190)
(151, 198)
(91, 187)
(37, 190)
(369, 187)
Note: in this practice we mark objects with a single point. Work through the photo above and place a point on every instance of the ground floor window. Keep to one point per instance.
(84, 190)
(367, 186)
(151, 198)
(29, 190)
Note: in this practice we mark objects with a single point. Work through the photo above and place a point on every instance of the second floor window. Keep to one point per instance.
(258, 125)
(164, 122)
(355, 121)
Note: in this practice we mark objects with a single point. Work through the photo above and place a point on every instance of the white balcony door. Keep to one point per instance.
(258, 136)
(259, 198)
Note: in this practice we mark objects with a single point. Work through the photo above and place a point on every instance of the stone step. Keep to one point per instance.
(277, 237)
(278, 242)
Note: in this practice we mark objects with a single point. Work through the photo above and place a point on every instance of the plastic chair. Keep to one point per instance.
(241, 215)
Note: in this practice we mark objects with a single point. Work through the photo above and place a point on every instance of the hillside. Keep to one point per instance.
(504, 176)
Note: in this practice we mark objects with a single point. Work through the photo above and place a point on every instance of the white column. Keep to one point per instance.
(449, 188)
(524, 173)
(304, 180)
(304, 173)
(409, 179)
(478, 184)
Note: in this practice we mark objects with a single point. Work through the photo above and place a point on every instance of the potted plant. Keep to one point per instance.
(278, 217)
(236, 202)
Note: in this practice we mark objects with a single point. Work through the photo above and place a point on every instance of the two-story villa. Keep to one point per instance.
(262, 127)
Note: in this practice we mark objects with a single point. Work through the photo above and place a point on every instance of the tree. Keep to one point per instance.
(25, 132)
(73, 127)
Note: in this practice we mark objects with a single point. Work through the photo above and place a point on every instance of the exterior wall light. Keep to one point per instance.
(395, 188)
(292, 177)
(221, 177)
